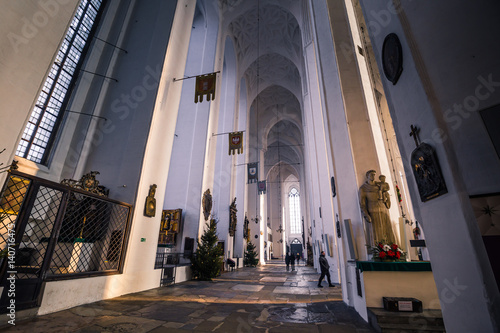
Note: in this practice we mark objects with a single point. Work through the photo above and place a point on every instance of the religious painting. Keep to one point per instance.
(427, 172)
(14, 194)
(169, 226)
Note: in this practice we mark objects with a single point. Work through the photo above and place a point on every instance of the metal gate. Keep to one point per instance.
(49, 231)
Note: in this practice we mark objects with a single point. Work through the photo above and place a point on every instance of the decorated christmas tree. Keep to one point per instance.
(250, 256)
(206, 264)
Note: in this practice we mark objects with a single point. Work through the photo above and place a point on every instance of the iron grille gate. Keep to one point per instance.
(51, 232)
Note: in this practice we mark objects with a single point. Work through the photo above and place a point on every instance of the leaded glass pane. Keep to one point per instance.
(47, 111)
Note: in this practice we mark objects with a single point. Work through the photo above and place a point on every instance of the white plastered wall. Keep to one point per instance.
(31, 31)
(436, 74)
(139, 274)
(320, 155)
(239, 174)
(343, 165)
(184, 185)
(224, 182)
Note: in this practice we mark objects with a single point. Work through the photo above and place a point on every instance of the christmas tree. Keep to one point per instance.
(206, 264)
(250, 256)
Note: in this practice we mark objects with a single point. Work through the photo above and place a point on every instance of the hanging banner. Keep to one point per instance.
(235, 142)
(253, 172)
(261, 186)
(205, 85)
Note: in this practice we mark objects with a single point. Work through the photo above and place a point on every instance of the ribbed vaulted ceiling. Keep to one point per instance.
(268, 46)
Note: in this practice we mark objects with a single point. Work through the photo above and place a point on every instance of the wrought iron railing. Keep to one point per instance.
(61, 232)
(164, 260)
(168, 263)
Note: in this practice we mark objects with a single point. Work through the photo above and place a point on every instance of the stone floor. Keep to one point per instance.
(261, 299)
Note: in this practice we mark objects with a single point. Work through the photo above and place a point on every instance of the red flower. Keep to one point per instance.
(394, 247)
(380, 245)
(398, 255)
(391, 253)
(381, 255)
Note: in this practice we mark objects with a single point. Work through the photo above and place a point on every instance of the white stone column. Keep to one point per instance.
(157, 155)
(262, 211)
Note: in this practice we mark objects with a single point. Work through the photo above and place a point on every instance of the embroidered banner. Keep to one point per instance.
(205, 85)
(235, 142)
(253, 172)
(261, 186)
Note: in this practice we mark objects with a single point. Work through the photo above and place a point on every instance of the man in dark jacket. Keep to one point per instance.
(287, 261)
(323, 264)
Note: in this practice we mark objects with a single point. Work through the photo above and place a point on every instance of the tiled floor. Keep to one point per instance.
(260, 299)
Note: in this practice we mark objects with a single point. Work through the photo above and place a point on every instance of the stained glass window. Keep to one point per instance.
(294, 201)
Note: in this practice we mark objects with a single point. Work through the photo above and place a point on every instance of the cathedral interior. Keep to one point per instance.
(298, 126)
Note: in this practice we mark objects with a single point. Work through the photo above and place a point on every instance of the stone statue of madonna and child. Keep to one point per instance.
(375, 201)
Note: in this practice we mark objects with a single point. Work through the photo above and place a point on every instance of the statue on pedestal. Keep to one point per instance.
(374, 201)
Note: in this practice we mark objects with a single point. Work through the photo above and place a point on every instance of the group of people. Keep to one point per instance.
(290, 260)
(323, 264)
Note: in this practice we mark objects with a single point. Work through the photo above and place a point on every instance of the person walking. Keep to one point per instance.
(324, 266)
(292, 262)
(298, 259)
(287, 261)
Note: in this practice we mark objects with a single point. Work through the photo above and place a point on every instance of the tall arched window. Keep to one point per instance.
(294, 201)
(50, 106)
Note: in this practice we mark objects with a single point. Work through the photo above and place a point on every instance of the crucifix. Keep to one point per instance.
(414, 133)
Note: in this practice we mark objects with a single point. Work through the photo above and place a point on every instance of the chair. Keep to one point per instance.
(230, 263)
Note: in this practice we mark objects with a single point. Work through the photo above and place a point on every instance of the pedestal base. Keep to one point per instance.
(402, 304)
(408, 280)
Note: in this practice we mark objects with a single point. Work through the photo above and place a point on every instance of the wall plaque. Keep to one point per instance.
(427, 172)
(392, 58)
(150, 206)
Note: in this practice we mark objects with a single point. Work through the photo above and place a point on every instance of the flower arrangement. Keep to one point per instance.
(388, 252)
(399, 194)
